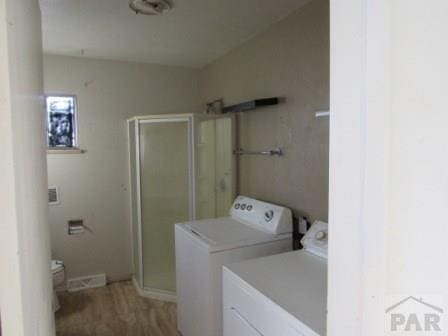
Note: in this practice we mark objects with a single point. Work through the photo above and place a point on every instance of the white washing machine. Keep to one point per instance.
(280, 295)
(253, 229)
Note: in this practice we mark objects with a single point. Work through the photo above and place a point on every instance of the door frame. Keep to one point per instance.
(360, 137)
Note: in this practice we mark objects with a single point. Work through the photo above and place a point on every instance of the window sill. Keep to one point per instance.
(66, 151)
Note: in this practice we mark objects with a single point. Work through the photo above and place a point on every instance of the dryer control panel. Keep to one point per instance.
(265, 216)
(316, 239)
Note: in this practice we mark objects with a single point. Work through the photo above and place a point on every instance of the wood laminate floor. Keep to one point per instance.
(114, 310)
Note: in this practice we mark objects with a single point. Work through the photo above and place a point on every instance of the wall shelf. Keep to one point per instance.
(251, 105)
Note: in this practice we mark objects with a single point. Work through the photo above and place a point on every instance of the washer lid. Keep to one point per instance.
(227, 233)
(56, 266)
(293, 282)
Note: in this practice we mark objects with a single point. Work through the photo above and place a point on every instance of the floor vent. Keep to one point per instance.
(53, 196)
(91, 281)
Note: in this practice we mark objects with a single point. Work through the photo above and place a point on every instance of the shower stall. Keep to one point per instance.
(182, 168)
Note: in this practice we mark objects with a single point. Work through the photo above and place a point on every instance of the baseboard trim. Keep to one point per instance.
(155, 294)
(112, 279)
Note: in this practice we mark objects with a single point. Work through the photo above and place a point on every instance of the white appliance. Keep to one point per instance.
(280, 295)
(253, 229)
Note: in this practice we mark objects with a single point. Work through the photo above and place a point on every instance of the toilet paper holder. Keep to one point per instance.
(77, 226)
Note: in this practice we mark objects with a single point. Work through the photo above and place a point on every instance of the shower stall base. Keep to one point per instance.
(152, 293)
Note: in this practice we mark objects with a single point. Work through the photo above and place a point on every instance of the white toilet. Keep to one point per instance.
(58, 272)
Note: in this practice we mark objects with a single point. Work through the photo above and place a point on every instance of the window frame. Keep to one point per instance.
(75, 146)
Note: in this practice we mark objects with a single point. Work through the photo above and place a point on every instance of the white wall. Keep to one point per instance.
(94, 185)
(388, 165)
(25, 287)
(290, 60)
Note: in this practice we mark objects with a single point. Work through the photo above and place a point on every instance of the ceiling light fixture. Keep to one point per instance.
(149, 7)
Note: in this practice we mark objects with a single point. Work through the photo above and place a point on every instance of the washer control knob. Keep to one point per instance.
(243, 206)
(237, 206)
(249, 207)
(321, 235)
(269, 215)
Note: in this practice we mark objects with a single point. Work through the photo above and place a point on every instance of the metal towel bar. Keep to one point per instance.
(273, 152)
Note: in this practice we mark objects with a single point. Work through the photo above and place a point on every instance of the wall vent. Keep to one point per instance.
(91, 281)
(53, 196)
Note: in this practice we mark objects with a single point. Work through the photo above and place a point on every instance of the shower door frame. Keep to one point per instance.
(189, 119)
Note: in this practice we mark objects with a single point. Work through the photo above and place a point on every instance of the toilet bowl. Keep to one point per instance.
(58, 273)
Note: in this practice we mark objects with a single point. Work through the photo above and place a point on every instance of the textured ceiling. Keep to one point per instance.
(194, 33)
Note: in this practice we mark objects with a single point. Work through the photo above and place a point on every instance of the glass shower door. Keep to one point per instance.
(166, 195)
(215, 178)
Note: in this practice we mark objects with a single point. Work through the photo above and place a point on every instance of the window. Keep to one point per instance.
(62, 123)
